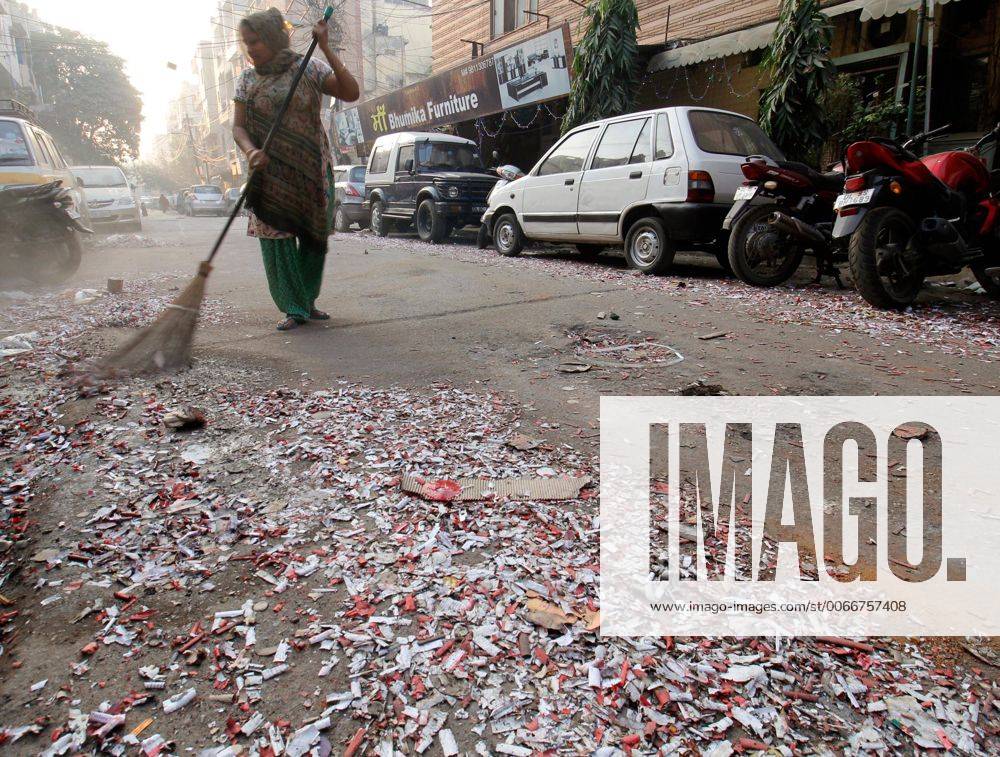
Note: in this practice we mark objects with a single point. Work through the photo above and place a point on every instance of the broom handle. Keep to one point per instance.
(267, 141)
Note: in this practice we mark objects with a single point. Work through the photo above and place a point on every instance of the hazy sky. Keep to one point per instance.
(146, 34)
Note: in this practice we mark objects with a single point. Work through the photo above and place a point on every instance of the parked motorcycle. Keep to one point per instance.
(507, 174)
(41, 231)
(909, 217)
(782, 211)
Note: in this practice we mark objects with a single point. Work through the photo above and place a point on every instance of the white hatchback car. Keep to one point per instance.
(649, 180)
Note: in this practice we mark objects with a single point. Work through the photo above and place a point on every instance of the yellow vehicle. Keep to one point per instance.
(28, 154)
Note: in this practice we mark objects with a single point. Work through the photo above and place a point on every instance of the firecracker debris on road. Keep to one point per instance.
(226, 559)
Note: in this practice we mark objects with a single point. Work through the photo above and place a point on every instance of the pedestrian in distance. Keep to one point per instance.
(290, 200)
(164, 203)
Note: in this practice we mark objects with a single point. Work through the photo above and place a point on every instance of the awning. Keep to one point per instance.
(758, 37)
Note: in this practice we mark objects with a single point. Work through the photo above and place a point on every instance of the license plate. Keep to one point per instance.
(854, 198)
(745, 193)
(479, 209)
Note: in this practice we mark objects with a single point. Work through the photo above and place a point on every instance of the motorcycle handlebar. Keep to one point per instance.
(918, 139)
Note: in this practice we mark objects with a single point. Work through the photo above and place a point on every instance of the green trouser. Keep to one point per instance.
(294, 271)
(294, 275)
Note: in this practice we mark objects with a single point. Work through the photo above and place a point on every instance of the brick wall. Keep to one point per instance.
(455, 20)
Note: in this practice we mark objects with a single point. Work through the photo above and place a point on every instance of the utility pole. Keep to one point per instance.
(194, 152)
(911, 108)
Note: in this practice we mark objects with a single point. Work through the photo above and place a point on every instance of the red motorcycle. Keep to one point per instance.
(909, 217)
(782, 211)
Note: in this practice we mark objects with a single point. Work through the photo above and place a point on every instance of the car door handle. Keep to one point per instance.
(635, 175)
(570, 182)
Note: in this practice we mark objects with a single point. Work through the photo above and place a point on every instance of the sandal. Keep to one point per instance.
(318, 315)
(288, 324)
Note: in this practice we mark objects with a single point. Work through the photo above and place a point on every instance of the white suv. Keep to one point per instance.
(649, 180)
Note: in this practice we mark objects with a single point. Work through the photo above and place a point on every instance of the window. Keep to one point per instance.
(13, 147)
(43, 152)
(509, 15)
(454, 156)
(56, 155)
(570, 155)
(380, 160)
(617, 144)
(101, 177)
(641, 152)
(358, 175)
(729, 134)
(405, 154)
(664, 142)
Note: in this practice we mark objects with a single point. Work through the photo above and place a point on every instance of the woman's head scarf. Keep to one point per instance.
(270, 26)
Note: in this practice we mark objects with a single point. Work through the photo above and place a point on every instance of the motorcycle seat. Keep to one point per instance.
(833, 181)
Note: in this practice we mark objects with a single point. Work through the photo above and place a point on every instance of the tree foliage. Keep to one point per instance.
(791, 108)
(88, 103)
(853, 114)
(604, 63)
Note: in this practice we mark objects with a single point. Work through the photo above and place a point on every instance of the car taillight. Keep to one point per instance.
(700, 187)
(350, 190)
(755, 170)
(854, 184)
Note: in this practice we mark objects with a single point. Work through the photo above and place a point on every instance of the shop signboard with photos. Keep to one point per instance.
(532, 71)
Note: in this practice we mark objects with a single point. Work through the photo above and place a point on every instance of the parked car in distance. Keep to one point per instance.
(110, 198)
(436, 182)
(29, 155)
(205, 200)
(349, 197)
(232, 197)
(652, 181)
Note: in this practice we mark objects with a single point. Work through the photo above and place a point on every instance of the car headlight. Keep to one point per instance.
(453, 192)
(126, 202)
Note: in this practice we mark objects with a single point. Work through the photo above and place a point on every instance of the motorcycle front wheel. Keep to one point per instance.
(760, 254)
(883, 273)
(55, 261)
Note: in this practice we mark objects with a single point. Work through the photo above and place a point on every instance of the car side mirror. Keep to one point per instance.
(408, 166)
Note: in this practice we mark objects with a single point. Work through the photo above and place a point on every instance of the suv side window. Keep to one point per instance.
(570, 155)
(664, 142)
(405, 154)
(617, 144)
(41, 153)
(57, 159)
(380, 160)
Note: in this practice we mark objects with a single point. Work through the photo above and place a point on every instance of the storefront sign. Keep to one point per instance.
(532, 71)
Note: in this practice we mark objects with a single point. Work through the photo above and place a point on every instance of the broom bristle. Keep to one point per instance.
(164, 345)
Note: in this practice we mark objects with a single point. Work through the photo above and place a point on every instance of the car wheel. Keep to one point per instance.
(647, 248)
(379, 223)
(508, 239)
(340, 222)
(431, 225)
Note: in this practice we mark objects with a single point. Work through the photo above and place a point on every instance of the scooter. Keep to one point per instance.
(41, 228)
(507, 174)
(909, 217)
(782, 211)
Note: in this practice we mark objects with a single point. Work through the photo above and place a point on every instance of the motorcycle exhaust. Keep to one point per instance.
(796, 228)
(939, 239)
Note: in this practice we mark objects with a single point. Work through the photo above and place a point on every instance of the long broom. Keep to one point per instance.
(165, 345)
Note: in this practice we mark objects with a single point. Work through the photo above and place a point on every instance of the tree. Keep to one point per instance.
(89, 105)
(791, 108)
(162, 177)
(604, 63)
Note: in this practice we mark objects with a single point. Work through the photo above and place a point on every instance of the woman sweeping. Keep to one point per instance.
(291, 191)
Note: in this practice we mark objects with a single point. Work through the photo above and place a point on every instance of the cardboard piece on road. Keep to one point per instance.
(522, 487)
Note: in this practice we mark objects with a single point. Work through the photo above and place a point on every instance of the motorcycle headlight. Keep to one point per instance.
(453, 192)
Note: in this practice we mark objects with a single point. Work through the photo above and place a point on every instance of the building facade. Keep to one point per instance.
(18, 22)
(709, 52)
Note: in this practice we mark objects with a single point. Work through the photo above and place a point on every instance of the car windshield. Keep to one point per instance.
(357, 175)
(729, 134)
(210, 191)
(453, 156)
(13, 148)
(101, 177)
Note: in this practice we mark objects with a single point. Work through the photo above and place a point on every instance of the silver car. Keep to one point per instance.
(349, 197)
(206, 200)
